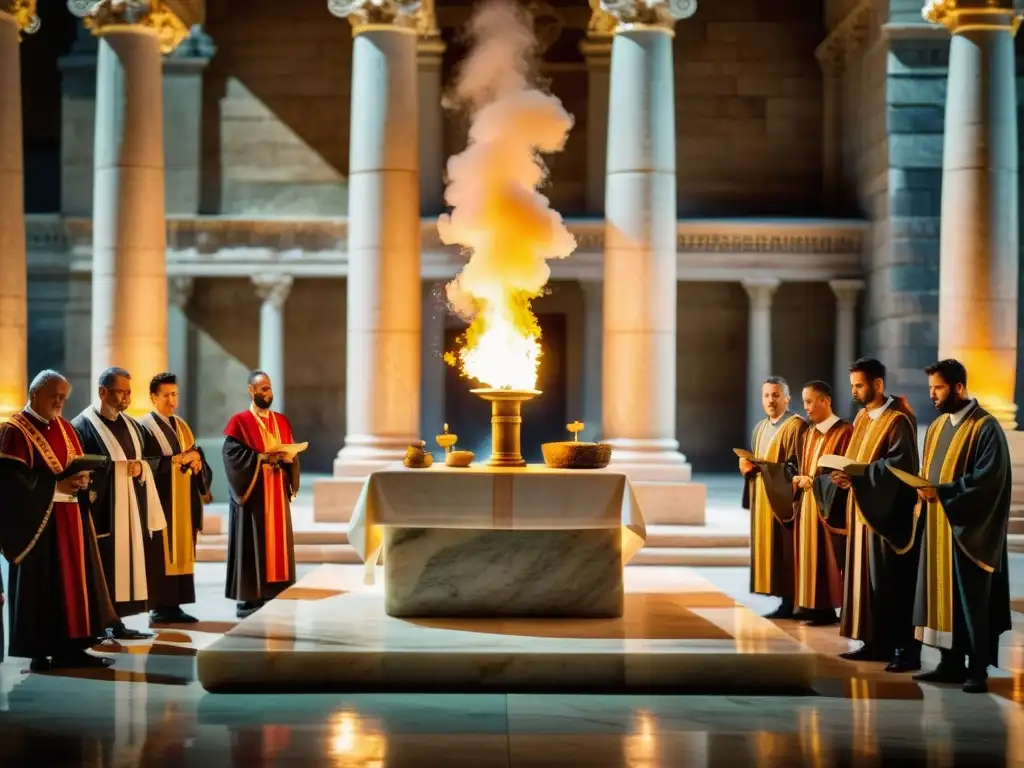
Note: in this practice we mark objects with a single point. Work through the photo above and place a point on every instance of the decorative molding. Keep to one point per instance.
(846, 292)
(363, 14)
(24, 14)
(196, 46)
(634, 14)
(760, 291)
(973, 15)
(179, 290)
(101, 15)
(847, 39)
(809, 250)
(273, 287)
(426, 20)
(601, 24)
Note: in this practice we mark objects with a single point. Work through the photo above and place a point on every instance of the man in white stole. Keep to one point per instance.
(125, 505)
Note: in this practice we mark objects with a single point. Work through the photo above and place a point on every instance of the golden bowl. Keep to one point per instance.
(573, 455)
(459, 458)
(417, 459)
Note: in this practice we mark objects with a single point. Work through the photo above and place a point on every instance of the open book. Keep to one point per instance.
(87, 463)
(744, 454)
(832, 462)
(913, 481)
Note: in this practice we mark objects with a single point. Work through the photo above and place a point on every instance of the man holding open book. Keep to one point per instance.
(262, 467)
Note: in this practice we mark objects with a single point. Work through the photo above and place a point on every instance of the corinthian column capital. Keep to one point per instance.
(634, 14)
(967, 15)
(273, 288)
(24, 14)
(365, 14)
(156, 15)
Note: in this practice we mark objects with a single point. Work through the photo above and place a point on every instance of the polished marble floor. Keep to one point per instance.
(149, 710)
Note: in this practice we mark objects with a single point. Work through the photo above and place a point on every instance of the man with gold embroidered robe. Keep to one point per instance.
(820, 550)
(262, 481)
(126, 505)
(58, 598)
(182, 479)
(880, 520)
(768, 494)
(963, 583)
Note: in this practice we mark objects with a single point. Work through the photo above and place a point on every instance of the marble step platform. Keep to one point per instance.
(1015, 542)
(679, 634)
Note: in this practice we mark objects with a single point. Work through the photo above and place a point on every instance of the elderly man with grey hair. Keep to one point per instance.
(59, 603)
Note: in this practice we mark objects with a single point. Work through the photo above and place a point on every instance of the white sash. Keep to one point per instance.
(129, 583)
(149, 421)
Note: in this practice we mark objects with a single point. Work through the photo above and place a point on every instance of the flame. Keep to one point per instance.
(497, 215)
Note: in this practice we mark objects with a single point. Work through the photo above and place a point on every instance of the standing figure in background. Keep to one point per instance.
(125, 503)
(963, 582)
(821, 551)
(768, 494)
(882, 546)
(58, 596)
(183, 479)
(263, 482)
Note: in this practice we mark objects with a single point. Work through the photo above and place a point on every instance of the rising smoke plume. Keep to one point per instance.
(498, 216)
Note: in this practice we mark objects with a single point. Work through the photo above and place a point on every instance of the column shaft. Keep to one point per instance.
(179, 331)
(593, 321)
(384, 290)
(846, 292)
(639, 396)
(273, 290)
(129, 275)
(597, 52)
(431, 134)
(978, 270)
(759, 343)
(13, 270)
(432, 386)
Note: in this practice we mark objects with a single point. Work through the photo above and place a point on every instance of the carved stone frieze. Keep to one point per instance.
(154, 14)
(363, 13)
(24, 13)
(964, 15)
(629, 14)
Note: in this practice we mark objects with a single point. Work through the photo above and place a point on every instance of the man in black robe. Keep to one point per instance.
(59, 604)
(183, 480)
(125, 502)
(768, 494)
(963, 584)
(882, 548)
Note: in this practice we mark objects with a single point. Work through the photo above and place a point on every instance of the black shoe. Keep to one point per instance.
(905, 660)
(121, 632)
(866, 652)
(944, 673)
(976, 684)
(171, 616)
(248, 608)
(39, 664)
(80, 660)
(782, 613)
(821, 619)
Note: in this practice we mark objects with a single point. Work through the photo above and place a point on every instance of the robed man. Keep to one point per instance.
(126, 504)
(58, 598)
(263, 481)
(963, 584)
(183, 480)
(768, 494)
(821, 550)
(880, 520)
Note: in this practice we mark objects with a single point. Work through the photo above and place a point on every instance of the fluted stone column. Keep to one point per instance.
(593, 339)
(179, 339)
(846, 292)
(384, 291)
(759, 342)
(639, 396)
(15, 18)
(429, 56)
(129, 269)
(273, 291)
(978, 269)
(597, 52)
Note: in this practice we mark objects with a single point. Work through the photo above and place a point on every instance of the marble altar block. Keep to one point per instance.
(678, 633)
(492, 541)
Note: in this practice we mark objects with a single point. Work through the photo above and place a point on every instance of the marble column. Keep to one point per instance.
(15, 18)
(384, 290)
(593, 339)
(639, 395)
(432, 386)
(978, 263)
(846, 292)
(129, 269)
(179, 332)
(273, 291)
(597, 52)
(759, 342)
(429, 57)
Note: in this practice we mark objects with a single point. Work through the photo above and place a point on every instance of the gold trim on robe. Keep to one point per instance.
(179, 545)
(762, 514)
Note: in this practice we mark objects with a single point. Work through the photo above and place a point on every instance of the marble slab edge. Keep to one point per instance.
(224, 667)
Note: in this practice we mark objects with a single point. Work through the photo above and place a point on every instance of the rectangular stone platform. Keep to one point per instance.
(678, 634)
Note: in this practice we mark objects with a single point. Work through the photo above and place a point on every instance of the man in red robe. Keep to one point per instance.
(58, 597)
(263, 480)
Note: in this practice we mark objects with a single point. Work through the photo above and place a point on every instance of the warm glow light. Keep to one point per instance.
(354, 742)
(501, 349)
